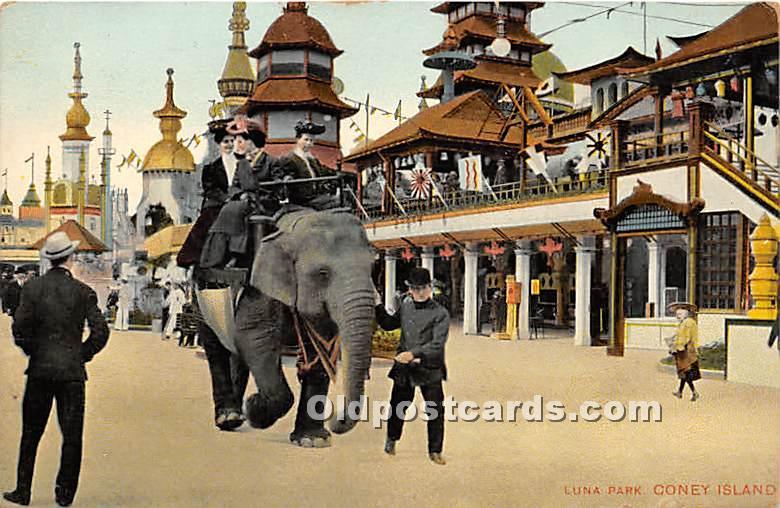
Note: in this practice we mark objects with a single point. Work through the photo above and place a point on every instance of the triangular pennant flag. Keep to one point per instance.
(397, 114)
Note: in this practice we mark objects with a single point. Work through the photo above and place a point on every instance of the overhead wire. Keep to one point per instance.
(606, 10)
(650, 16)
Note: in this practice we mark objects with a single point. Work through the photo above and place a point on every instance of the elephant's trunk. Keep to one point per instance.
(355, 318)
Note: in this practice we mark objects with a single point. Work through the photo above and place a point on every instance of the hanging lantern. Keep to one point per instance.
(720, 88)
(689, 94)
(397, 163)
(443, 156)
(700, 90)
(734, 83)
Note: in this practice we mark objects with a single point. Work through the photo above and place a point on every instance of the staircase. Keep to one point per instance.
(755, 176)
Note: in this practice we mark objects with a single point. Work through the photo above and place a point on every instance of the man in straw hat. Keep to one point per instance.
(48, 326)
(684, 347)
(424, 328)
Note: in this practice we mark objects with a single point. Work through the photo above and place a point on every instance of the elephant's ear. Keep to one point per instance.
(273, 272)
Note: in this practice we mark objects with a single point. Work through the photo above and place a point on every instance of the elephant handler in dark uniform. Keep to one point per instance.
(49, 326)
(420, 362)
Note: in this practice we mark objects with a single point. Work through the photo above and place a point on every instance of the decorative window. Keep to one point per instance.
(598, 104)
(262, 67)
(514, 54)
(470, 8)
(525, 56)
(287, 62)
(462, 12)
(281, 124)
(722, 263)
(650, 217)
(319, 65)
(612, 94)
(484, 7)
(517, 13)
(331, 126)
(624, 89)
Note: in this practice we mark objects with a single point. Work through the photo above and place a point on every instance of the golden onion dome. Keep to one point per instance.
(168, 154)
(77, 117)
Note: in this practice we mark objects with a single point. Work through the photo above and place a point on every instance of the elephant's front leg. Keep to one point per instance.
(258, 330)
(310, 429)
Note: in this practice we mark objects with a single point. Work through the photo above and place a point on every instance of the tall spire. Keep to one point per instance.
(82, 185)
(238, 79)
(170, 116)
(47, 185)
(168, 154)
(77, 118)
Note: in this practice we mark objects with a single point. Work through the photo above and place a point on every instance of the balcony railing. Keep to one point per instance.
(509, 193)
(717, 141)
(667, 145)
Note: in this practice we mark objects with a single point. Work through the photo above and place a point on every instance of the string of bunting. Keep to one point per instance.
(373, 109)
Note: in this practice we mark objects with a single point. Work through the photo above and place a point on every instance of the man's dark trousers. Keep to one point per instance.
(36, 406)
(228, 378)
(434, 397)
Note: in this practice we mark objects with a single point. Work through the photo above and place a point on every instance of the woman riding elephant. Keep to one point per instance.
(310, 279)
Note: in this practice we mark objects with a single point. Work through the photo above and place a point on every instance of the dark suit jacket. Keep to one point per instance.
(214, 181)
(424, 330)
(49, 326)
(293, 166)
(11, 297)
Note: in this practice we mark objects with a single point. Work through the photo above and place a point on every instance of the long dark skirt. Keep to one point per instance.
(229, 235)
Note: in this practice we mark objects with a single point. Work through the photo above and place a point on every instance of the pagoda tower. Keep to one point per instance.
(75, 140)
(294, 79)
(472, 28)
(167, 170)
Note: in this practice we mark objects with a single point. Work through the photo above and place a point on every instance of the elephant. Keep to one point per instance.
(317, 268)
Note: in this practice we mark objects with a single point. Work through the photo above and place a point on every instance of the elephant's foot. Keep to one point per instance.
(229, 420)
(263, 411)
(314, 438)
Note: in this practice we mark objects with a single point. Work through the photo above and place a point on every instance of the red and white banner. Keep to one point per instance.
(470, 170)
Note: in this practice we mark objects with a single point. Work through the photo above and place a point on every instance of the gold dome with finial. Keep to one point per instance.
(77, 119)
(169, 154)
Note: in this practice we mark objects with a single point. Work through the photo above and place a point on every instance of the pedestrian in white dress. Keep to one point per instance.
(176, 300)
(122, 321)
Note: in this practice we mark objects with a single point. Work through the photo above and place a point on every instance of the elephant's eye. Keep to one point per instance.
(324, 274)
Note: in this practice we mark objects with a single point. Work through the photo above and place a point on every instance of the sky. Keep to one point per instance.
(127, 46)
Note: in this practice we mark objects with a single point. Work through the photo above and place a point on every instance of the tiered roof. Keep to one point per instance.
(629, 59)
(296, 29)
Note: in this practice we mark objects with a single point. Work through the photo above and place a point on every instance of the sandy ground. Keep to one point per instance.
(150, 440)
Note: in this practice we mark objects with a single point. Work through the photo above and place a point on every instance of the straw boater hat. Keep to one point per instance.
(58, 245)
(691, 308)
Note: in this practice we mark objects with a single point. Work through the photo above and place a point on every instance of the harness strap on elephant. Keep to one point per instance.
(326, 350)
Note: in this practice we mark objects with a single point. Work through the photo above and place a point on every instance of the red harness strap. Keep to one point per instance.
(327, 349)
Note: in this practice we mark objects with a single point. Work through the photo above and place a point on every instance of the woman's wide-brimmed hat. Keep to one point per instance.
(249, 128)
(304, 127)
(683, 305)
(58, 245)
(418, 277)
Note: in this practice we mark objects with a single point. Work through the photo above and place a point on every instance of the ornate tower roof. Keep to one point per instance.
(31, 199)
(77, 118)
(5, 200)
(168, 154)
(238, 79)
(296, 29)
(305, 83)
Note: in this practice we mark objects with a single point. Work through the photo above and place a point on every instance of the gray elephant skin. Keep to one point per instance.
(318, 264)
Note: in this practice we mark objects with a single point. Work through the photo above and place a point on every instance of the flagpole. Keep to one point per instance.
(403, 210)
(485, 181)
(368, 116)
(357, 202)
(438, 195)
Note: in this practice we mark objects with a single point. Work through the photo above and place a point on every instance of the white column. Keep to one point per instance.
(662, 280)
(585, 252)
(471, 257)
(523, 276)
(428, 258)
(654, 276)
(390, 259)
